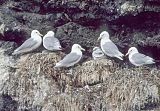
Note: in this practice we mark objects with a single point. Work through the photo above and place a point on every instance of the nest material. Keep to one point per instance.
(95, 85)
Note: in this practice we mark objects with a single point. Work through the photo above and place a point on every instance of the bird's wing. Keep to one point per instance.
(139, 58)
(110, 49)
(70, 58)
(51, 42)
(99, 51)
(28, 44)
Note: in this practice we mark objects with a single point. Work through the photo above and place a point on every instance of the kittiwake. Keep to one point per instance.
(72, 58)
(50, 42)
(108, 47)
(97, 53)
(30, 44)
(138, 59)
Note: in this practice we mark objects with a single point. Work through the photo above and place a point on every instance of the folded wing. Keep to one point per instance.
(69, 60)
(29, 45)
(110, 49)
(141, 59)
(51, 43)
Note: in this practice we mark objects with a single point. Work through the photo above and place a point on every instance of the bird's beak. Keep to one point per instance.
(99, 38)
(60, 48)
(82, 49)
(40, 34)
(127, 54)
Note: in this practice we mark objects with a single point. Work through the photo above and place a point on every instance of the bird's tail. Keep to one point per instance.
(57, 65)
(120, 56)
(15, 52)
(60, 48)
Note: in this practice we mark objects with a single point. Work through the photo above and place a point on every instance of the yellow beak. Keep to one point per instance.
(126, 54)
(82, 49)
(40, 34)
(99, 38)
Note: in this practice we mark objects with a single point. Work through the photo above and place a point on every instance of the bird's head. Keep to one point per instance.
(95, 48)
(50, 33)
(77, 46)
(103, 35)
(132, 50)
(35, 32)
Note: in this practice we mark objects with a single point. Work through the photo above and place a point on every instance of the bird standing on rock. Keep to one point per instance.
(50, 42)
(30, 44)
(138, 59)
(108, 47)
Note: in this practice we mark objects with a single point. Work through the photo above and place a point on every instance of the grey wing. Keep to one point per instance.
(28, 44)
(71, 58)
(51, 42)
(99, 51)
(139, 58)
(110, 49)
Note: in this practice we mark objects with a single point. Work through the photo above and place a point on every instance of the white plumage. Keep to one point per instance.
(30, 44)
(72, 58)
(50, 42)
(108, 47)
(138, 59)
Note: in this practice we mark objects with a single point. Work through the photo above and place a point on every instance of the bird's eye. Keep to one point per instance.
(103, 34)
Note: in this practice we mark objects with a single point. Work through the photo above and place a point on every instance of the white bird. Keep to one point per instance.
(50, 42)
(108, 47)
(30, 44)
(138, 59)
(72, 58)
(97, 53)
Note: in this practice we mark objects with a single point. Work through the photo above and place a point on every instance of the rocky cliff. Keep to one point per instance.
(30, 83)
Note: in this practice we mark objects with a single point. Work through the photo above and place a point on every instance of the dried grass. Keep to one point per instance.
(36, 84)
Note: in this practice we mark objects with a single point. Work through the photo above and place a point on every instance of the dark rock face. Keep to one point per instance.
(7, 104)
(46, 15)
(130, 23)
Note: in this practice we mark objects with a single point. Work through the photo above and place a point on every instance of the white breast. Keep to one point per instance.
(37, 38)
